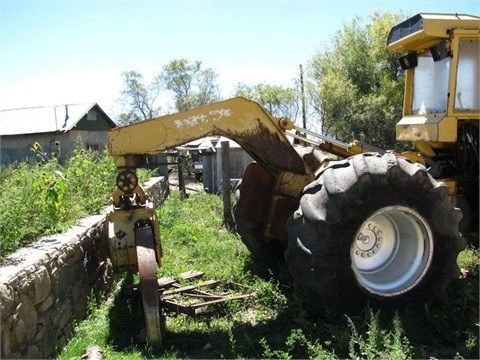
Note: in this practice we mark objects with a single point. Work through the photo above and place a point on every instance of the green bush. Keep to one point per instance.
(91, 179)
(46, 198)
(377, 342)
(20, 207)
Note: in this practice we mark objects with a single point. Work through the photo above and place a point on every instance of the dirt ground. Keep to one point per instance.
(191, 185)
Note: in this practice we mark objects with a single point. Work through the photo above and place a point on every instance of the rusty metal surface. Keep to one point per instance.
(196, 297)
(291, 184)
(194, 309)
(264, 199)
(255, 192)
(147, 268)
(280, 210)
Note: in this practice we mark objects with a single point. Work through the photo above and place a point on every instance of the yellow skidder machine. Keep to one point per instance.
(377, 226)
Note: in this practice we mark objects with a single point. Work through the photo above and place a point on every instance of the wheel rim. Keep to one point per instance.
(392, 251)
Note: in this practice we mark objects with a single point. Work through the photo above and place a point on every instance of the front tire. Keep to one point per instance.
(373, 228)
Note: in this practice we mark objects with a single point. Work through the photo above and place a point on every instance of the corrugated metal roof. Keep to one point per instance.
(198, 145)
(231, 143)
(42, 119)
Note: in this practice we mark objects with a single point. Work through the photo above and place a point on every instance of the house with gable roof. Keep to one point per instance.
(53, 127)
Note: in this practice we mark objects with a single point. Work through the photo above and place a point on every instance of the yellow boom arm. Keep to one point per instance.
(239, 119)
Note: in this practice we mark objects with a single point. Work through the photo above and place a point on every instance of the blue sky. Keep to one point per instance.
(57, 52)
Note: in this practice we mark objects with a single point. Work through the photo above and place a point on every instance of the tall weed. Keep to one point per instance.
(379, 342)
(91, 179)
(46, 197)
(297, 345)
(20, 207)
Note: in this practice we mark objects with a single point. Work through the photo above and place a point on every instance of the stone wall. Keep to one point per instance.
(46, 286)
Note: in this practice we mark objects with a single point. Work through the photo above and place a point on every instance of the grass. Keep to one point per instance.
(274, 324)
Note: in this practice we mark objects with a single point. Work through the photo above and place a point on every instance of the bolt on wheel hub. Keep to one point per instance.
(369, 241)
(392, 251)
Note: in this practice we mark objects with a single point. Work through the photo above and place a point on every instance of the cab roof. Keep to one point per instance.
(426, 29)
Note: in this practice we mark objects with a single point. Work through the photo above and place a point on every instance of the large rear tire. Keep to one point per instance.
(373, 228)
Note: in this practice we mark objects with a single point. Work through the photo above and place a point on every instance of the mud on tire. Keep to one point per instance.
(332, 213)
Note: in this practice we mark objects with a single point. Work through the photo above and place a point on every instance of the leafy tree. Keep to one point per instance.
(277, 100)
(356, 86)
(192, 86)
(137, 99)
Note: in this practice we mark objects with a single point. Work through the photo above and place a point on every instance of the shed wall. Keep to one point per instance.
(17, 148)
